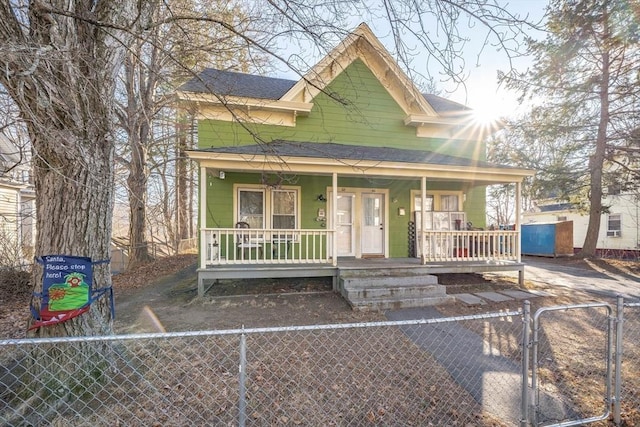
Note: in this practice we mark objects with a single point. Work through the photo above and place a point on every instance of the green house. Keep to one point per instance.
(350, 167)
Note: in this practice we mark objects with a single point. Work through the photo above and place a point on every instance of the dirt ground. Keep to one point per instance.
(171, 302)
(161, 296)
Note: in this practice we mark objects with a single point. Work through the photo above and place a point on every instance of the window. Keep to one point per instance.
(267, 208)
(442, 212)
(614, 225)
(438, 202)
(418, 203)
(251, 207)
(284, 208)
(614, 189)
(449, 203)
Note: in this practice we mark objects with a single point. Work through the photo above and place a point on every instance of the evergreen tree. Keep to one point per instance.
(585, 87)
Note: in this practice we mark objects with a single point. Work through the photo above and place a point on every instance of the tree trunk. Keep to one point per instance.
(137, 186)
(182, 196)
(74, 211)
(136, 117)
(61, 71)
(596, 162)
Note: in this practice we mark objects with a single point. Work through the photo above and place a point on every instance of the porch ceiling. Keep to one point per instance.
(350, 160)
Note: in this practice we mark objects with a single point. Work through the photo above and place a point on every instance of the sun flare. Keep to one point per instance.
(489, 114)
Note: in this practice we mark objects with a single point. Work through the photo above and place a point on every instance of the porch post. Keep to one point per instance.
(334, 218)
(423, 204)
(519, 232)
(202, 188)
(203, 217)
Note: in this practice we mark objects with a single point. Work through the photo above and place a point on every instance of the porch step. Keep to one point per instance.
(376, 271)
(390, 289)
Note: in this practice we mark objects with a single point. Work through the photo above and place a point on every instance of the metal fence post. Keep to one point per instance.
(618, 367)
(524, 419)
(242, 404)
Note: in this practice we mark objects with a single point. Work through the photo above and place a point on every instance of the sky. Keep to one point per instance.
(482, 92)
(482, 85)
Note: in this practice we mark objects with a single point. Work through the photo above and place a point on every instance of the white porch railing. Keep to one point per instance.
(468, 245)
(232, 246)
(222, 246)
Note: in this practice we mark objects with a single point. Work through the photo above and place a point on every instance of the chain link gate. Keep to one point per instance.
(627, 377)
(571, 370)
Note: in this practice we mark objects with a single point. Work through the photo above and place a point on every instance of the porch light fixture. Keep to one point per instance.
(221, 174)
(321, 198)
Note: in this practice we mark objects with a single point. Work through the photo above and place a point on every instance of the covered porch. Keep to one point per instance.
(308, 253)
(401, 211)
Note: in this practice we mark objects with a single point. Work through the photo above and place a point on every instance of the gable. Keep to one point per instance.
(362, 45)
(357, 109)
(230, 96)
(354, 109)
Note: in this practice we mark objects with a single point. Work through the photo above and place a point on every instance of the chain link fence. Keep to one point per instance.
(456, 371)
(390, 373)
(628, 378)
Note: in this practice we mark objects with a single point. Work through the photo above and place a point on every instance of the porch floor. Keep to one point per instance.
(207, 276)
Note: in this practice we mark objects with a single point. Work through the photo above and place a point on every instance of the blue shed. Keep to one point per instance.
(547, 239)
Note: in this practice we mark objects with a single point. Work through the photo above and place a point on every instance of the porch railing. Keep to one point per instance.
(221, 246)
(470, 245)
(232, 246)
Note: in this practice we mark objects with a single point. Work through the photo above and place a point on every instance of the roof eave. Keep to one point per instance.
(13, 185)
(423, 119)
(318, 165)
(300, 108)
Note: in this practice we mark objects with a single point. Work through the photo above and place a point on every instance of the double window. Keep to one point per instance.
(442, 212)
(268, 208)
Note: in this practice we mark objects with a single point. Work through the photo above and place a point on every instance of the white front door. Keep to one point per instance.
(372, 237)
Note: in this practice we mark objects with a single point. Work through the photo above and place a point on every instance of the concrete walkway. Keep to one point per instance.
(482, 298)
(494, 380)
(603, 283)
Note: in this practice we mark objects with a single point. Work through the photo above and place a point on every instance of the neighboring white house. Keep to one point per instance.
(17, 205)
(619, 228)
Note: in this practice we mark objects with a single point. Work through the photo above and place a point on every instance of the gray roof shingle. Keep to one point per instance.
(444, 105)
(231, 83)
(329, 150)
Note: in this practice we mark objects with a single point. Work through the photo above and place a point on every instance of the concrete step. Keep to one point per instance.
(385, 272)
(394, 291)
(388, 281)
(386, 291)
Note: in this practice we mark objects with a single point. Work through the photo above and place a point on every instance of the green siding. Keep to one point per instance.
(361, 113)
(369, 117)
(475, 206)
(220, 195)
